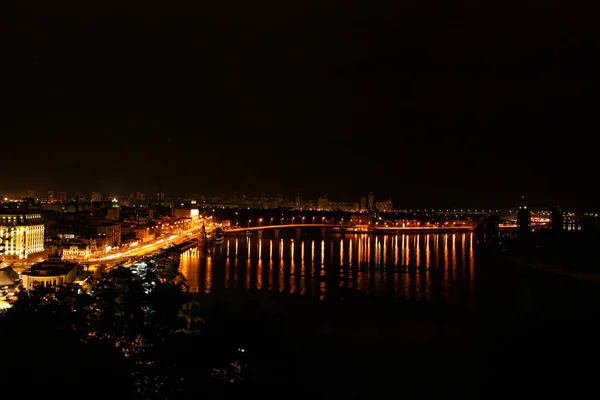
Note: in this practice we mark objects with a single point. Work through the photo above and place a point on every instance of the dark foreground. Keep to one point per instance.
(533, 334)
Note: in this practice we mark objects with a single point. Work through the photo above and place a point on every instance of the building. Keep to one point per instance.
(113, 213)
(145, 233)
(187, 212)
(106, 233)
(371, 202)
(385, 206)
(8, 278)
(323, 203)
(95, 196)
(23, 236)
(53, 272)
(79, 249)
(363, 203)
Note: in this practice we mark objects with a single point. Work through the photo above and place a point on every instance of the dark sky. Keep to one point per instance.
(431, 104)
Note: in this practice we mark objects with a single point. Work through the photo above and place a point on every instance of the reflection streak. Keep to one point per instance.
(364, 256)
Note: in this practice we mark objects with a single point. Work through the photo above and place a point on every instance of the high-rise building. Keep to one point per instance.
(363, 203)
(323, 203)
(160, 196)
(140, 198)
(297, 201)
(371, 202)
(22, 236)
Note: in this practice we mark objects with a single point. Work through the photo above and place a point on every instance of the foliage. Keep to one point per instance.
(189, 312)
(145, 337)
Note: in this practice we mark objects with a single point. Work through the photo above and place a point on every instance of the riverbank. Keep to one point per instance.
(584, 276)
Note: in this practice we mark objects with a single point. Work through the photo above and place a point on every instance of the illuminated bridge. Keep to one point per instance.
(351, 228)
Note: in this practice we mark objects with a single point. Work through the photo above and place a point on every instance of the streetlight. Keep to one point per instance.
(313, 220)
(293, 220)
(323, 219)
(303, 220)
(281, 220)
(259, 221)
(271, 221)
(249, 223)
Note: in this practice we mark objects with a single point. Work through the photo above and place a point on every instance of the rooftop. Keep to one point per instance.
(20, 218)
(8, 276)
(50, 268)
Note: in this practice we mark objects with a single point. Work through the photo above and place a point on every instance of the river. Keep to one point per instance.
(428, 267)
(447, 270)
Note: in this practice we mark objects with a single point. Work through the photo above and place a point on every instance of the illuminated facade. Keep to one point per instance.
(78, 250)
(23, 236)
(53, 272)
(192, 213)
(385, 206)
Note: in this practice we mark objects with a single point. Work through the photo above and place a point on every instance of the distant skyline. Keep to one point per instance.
(379, 196)
(430, 104)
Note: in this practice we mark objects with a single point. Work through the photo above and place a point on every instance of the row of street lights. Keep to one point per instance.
(260, 221)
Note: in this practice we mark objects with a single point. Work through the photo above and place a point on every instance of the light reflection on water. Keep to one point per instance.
(428, 267)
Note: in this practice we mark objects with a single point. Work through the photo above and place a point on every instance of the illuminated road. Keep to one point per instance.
(148, 248)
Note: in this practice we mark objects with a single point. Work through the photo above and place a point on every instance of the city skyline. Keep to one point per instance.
(425, 107)
(266, 200)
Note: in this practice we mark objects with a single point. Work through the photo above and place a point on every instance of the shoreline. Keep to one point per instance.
(588, 277)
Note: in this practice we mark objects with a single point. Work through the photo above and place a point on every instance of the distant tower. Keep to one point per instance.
(160, 196)
(372, 206)
(523, 218)
(371, 202)
(363, 203)
(557, 223)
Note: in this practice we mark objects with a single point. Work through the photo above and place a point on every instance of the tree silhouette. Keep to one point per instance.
(132, 330)
(189, 311)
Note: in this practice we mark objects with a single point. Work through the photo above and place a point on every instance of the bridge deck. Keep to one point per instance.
(354, 227)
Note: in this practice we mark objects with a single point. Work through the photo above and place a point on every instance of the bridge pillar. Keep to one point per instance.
(277, 231)
(298, 232)
(260, 233)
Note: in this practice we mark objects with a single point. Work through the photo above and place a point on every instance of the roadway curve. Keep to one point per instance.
(147, 248)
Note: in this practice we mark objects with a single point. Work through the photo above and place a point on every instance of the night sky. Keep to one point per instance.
(431, 104)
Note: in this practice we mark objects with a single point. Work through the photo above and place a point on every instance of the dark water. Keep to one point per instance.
(521, 325)
(427, 267)
(445, 268)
